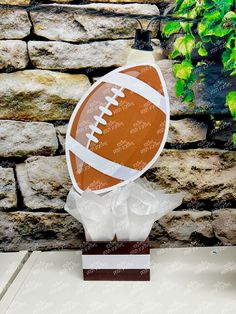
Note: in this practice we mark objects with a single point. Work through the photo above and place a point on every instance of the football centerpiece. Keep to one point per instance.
(115, 134)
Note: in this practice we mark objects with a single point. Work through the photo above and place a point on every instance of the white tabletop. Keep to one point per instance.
(10, 265)
(191, 280)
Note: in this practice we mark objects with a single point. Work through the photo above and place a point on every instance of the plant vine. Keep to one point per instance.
(215, 21)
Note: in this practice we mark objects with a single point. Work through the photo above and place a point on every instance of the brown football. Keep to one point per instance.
(118, 129)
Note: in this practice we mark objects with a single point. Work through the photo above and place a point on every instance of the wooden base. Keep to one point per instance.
(128, 261)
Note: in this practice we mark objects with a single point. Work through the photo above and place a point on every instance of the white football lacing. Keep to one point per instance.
(104, 110)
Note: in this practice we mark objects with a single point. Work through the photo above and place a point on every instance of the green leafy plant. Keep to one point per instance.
(213, 21)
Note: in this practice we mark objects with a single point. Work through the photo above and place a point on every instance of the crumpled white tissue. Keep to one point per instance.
(142, 206)
(127, 213)
(94, 212)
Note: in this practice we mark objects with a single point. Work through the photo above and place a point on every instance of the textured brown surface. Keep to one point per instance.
(36, 95)
(14, 24)
(44, 182)
(45, 231)
(205, 174)
(224, 225)
(24, 139)
(38, 231)
(13, 54)
(77, 26)
(8, 198)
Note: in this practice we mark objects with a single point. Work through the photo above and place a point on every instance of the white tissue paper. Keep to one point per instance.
(127, 213)
(94, 212)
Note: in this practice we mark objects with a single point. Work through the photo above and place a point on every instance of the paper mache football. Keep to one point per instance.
(118, 129)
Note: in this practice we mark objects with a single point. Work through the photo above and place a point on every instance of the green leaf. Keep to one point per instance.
(180, 87)
(186, 5)
(201, 49)
(201, 28)
(207, 39)
(186, 26)
(191, 80)
(231, 103)
(191, 14)
(184, 44)
(213, 15)
(183, 70)
(212, 29)
(226, 55)
(218, 31)
(231, 41)
(174, 54)
(178, 4)
(233, 73)
(231, 16)
(171, 28)
(234, 139)
(201, 63)
(224, 5)
(189, 96)
(202, 52)
(208, 4)
(198, 44)
(229, 59)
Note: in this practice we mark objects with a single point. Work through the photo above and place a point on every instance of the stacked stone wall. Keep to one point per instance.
(48, 59)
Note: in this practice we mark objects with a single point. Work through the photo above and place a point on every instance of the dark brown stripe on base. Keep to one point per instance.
(116, 247)
(117, 274)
